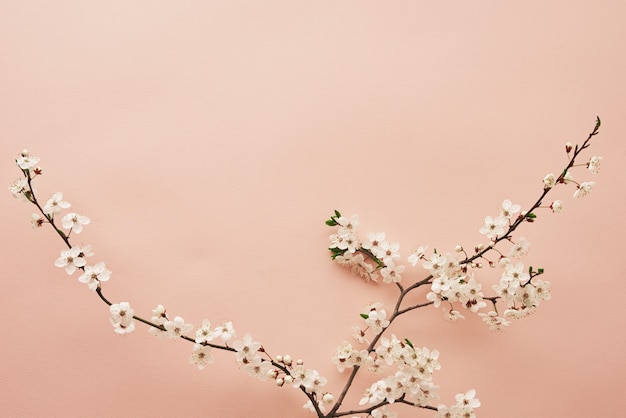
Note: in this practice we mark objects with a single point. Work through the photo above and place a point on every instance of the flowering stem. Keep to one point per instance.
(528, 216)
(32, 198)
(522, 218)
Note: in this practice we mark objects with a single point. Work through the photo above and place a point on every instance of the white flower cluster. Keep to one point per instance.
(349, 250)
(414, 367)
(73, 258)
(583, 188)
(250, 356)
(248, 353)
(464, 407)
(519, 292)
(413, 379)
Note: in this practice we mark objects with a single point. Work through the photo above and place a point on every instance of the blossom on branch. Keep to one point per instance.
(122, 317)
(176, 328)
(26, 161)
(93, 275)
(593, 164)
(71, 259)
(584, 189)
(55, 204)
(494, 227)
(19, 188)
(75, 222)
(201, 356)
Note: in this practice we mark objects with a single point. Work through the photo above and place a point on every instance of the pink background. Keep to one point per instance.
(209, 140)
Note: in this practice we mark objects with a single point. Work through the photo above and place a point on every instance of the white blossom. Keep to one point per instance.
(71, 259)
(204, 333)
(75, 222)
(176, 328)
(509, 209)
(93, 275)
(55, 204)
(26, 161)
(201, 356)
(246, 349)
(36, 220)
(593, 164)
(377, 320)
(556, 206)
(495, 322)
(549, 181)
(18, 189)
(494, 227)
(122, 317)
(392, 273)
(584, 189)
(519, 249)
(224, 331)
(416, 255)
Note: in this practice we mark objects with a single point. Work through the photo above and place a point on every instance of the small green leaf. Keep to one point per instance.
(409, 343)
(336, 252)
(540, 271)
(531, 215)
(337, 214)
(331, 222)
(364, 316)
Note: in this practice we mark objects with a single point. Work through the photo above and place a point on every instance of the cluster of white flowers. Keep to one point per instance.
(414, 367)
(413, 379)
(582, 188)
(249, 355)
(464, 407)
(349, 250)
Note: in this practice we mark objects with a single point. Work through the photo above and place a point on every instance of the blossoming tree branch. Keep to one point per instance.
(402, 372)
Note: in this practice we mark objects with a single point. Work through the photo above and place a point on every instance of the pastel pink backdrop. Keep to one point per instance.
(208, 141)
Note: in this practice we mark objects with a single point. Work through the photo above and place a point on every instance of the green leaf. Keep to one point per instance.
(337, 214)
(364, 316)
(409, 343)
(540, 271)
(336, 252)
(531, 215)
(331, 222)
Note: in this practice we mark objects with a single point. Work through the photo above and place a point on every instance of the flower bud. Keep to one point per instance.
(549, 181)
(328, 398)
(287, 359)
(568, 147)
(458, 248)
(556, 206)
(280, 381)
